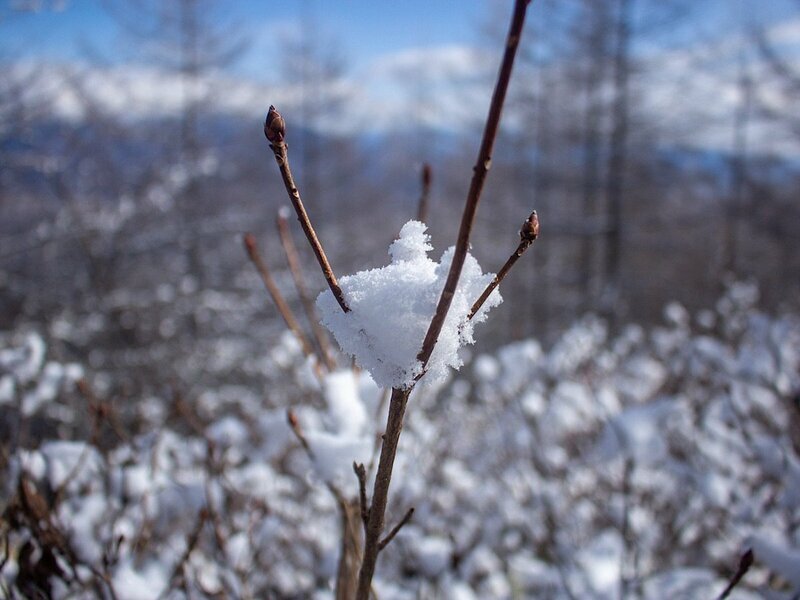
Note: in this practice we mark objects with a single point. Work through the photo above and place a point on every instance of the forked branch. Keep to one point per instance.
(479, 172)
(399, 399)
(388, 539)
(275, 131)
(293, 260)
(251, 247)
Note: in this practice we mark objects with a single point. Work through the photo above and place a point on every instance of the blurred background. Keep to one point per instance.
(659, 141)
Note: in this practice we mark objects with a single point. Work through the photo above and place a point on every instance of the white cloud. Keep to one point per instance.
(694, 92)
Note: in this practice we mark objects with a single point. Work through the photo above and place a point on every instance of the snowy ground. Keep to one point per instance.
(638, 466)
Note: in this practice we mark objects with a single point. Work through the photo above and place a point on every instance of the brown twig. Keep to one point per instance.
(361, 474)
(528, 235)
(283, 308)
(294, 424)
(422, 208)
(479, 173)
(388, 539)
(275, 131)
(744, 566)
(380, 493)
(326, 356)
(178, 577)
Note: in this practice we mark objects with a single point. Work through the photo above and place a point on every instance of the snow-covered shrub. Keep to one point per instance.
(644, 463)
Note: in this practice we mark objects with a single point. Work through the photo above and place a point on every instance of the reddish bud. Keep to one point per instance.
(291, 417)
(274, 126)
(250, 244)
(530, 228)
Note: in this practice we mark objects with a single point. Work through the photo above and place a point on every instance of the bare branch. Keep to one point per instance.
(361, 474)
(283, 308)
(326, 355)
(422, 209)
(744, 566)
(294, 424)
(275, 130)
(528, 235)
(387, 540)
(480, 171)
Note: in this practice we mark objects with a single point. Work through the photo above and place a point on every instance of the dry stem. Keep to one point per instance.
(380, 493)
(388, 539)
(283, 308)
(294, 424)
(361, 474)
(292, 258)
(480, 171)
(528, 235)
(422, 209)
(744, 566)
(275, 130)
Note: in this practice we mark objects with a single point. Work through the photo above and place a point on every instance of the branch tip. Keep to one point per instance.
(530, 229)
(361, 474)
(274, 126)
(250, 245)
(745, 562)
(387, 540)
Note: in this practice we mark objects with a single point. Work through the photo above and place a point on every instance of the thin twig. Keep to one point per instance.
(422, 208)
(275, 131)
(388, 539)
(361, 474)
(326, 356)
(294, 424)
(744, 566)
(528, 235)
(480, 171)
(178, 576)
(283, 308)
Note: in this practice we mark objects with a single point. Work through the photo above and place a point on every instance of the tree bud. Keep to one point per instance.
(530, 228)
(274, 126)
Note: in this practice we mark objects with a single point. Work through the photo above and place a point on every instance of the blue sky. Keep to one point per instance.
(63, 29)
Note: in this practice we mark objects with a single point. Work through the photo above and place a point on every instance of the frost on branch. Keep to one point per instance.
(391, 308)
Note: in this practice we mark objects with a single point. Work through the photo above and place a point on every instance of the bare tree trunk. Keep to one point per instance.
(730, 258)
(590, 178)
(615, 183)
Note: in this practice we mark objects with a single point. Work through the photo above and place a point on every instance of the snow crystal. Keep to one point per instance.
(392, 307)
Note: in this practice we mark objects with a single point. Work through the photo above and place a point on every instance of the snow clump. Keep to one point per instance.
(391, 308)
